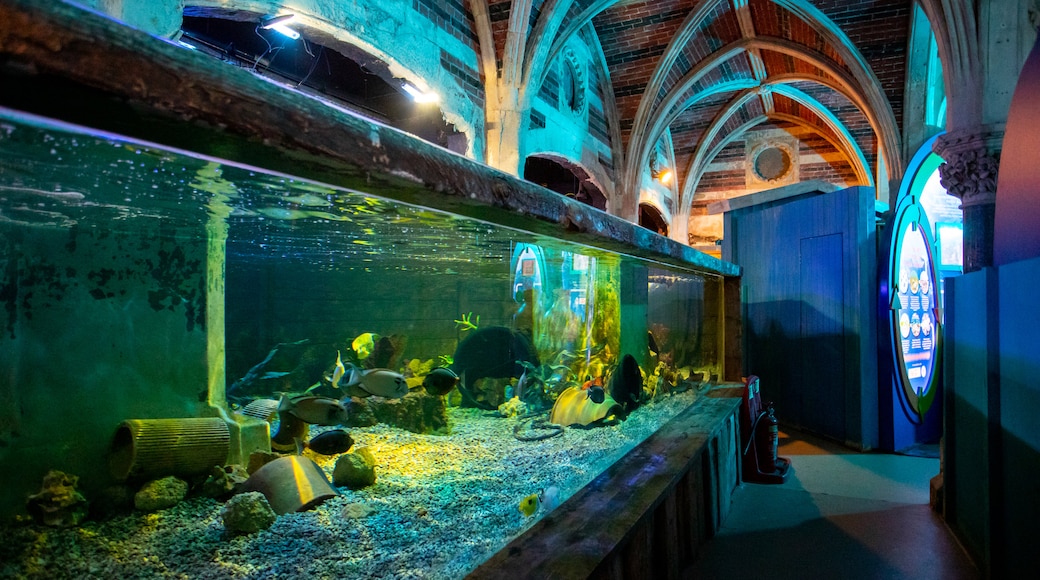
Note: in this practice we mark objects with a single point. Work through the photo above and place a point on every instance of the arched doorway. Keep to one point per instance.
(565, 178)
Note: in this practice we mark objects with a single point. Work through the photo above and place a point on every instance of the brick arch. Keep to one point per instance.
(846, 71)
(588, 186)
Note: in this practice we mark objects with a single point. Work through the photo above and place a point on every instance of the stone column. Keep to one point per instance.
(970, 174)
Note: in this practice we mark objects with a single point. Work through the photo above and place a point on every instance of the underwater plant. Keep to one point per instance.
(467, 322)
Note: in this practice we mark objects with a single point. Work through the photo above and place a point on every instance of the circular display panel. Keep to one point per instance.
(916, 342)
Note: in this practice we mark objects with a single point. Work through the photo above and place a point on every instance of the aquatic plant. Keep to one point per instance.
(446, 360)
(467, 322)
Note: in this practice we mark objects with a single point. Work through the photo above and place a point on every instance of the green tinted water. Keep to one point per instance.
(139, 282)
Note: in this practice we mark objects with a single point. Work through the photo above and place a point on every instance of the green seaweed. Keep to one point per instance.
(467, 322)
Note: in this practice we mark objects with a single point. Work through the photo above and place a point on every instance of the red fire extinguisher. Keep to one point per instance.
(767, 440)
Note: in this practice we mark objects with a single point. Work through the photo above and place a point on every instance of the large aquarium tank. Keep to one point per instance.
(212, 370)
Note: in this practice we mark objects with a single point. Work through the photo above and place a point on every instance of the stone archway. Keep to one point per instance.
(565, 178)
(651, 218)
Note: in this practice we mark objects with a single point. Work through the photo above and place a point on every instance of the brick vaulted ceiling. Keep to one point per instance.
(706, 71)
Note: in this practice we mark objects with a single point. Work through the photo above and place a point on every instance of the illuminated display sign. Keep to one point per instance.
(915, 313)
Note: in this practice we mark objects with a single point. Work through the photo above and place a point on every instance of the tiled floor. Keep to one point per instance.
(842, 515)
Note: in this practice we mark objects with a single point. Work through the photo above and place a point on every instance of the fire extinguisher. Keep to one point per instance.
(767, 440)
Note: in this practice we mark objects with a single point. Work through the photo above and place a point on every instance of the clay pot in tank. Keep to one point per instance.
(291, 484)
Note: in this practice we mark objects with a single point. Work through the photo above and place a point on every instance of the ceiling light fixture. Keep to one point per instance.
(420, 96)
(278, 24)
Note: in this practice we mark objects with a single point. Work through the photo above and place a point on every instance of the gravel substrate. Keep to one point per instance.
(441, 505)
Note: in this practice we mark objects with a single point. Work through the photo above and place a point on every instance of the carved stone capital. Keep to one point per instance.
(972, 162)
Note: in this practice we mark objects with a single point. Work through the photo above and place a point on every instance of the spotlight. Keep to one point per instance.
(278, 24)
(420, 96)
(664, 174)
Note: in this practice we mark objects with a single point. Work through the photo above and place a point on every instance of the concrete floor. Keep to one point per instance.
(841, 514)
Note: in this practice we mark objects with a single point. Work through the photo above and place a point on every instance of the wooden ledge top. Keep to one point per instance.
(571, 541)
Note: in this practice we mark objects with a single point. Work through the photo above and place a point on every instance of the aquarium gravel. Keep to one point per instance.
(441, 505)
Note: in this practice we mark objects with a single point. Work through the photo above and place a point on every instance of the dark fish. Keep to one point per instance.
(315, 410)
(652, 343)
(331, 442)
(290, 430)
(626, 383)
(597, 394)
(491, 351)
(440, 381)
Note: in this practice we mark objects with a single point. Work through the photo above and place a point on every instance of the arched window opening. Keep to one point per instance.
(564, 178)
(320, 65)
(651, 219)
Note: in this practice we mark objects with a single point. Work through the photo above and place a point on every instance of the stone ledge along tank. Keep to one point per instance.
(411, 378)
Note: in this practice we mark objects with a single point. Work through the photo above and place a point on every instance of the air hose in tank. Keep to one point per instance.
(528, 427)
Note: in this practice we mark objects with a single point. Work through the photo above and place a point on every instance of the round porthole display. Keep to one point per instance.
(772, 163)
(915, 310)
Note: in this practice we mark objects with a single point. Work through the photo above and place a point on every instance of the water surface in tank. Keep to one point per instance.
(486, 372)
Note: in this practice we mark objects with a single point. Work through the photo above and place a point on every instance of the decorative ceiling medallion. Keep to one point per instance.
(771, 162)
(572, 83)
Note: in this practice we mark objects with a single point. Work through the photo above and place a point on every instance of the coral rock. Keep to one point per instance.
(512, 408)
(361, 414)
(160, 494)
(355, 470)
(58, 504)
(224, 480)
(417, 412)
(247, 513)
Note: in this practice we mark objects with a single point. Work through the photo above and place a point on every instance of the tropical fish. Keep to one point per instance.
(380, 382)
(529, 505)
(596, 382)
(440, 381)
(521, 384)
(315, 410)
(652, 343)
(331, 442)
(548, 498)
(597, 393)
(363, 344)
(339, 371)
(291, 430)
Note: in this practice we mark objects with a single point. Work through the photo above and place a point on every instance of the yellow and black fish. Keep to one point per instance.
(529, 505)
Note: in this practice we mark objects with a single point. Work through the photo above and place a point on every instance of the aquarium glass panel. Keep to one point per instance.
(483, 374)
